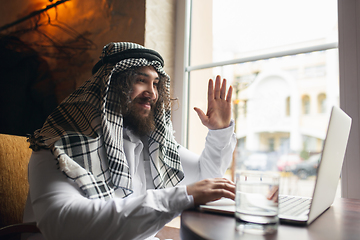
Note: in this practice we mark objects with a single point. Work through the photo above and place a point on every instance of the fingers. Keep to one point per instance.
(211, 89)
(211, 189)
(223, 89)
(218, 114)
(219, 92)
(229, 95)
(217, 87)
(226, 190)
(224, 183)
(221, 187)
(201, 115)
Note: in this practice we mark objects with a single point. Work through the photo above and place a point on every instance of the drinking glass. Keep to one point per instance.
(256, 201)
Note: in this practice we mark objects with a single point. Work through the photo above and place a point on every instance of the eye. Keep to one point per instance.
(156, 84)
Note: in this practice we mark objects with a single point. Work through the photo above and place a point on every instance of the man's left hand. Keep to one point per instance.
(219, 105)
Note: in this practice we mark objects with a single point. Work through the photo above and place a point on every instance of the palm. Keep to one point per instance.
(218, 114)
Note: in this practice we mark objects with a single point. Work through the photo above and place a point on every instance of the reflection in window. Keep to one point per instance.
(306, 105)
(322, 103)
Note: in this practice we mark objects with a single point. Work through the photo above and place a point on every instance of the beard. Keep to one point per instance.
(140, 124)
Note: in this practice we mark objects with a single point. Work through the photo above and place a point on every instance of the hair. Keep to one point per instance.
(123, 82)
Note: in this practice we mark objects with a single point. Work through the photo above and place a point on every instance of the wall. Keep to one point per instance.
(160, 30)
(349, 58)
(78, 30)
(201, 41)
(68, 40)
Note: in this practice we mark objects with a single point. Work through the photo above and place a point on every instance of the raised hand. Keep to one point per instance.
(218, 114)
(211, 189)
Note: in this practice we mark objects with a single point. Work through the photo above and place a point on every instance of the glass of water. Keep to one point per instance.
(256, 201)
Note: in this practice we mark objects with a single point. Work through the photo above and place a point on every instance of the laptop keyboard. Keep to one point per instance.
(293, 205)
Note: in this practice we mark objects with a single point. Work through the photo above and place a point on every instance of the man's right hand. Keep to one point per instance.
(211, 189)
(218, 114)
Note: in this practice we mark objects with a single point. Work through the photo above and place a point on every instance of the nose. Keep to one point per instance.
(151, 92)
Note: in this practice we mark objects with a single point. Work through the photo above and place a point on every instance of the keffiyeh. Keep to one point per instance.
(85, 132)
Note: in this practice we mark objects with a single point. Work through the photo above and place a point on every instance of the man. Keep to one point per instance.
(106, 165)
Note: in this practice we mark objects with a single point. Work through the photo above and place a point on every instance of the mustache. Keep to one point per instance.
(143, 100)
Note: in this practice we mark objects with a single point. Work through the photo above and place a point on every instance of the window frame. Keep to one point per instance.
(349, 32)
(349, 59)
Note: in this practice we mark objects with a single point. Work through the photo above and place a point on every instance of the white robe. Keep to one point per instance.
(63, 212)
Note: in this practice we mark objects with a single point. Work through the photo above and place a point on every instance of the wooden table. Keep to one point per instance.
(341, 222)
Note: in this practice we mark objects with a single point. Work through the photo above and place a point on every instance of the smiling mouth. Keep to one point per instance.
(145, 103)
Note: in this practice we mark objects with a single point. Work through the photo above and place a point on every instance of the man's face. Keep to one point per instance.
(143, 97)
(144, 92)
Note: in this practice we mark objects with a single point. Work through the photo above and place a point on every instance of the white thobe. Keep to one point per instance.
(63, 212)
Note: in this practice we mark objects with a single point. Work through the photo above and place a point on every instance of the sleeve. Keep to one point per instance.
(214, 159)
(62, 212)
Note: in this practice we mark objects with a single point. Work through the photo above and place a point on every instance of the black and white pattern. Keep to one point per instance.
(87, 122)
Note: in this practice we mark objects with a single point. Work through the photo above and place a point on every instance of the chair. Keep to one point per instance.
(14, 157)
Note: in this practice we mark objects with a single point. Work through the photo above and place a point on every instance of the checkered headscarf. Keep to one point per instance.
(88, 121)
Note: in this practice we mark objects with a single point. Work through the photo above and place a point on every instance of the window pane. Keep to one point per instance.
(201, 44)
(238, 28)
(281, 105)
(197, 98)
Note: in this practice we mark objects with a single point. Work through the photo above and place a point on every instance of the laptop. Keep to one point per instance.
(302, 210)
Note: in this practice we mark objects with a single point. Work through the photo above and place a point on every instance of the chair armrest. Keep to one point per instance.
(14, 229)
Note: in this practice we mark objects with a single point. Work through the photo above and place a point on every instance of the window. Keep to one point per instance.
(288, 108)
(271, 144)
(272, 64)
(321, 103)
(284, 145)
(306, 105)
(244, 109)
(349, 79)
